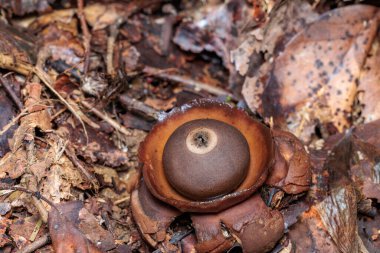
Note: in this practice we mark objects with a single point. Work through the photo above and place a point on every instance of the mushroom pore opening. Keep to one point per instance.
(201, 140)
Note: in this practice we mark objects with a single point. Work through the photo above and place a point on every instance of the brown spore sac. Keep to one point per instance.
(206, 158)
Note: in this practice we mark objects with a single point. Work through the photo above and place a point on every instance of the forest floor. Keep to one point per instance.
(83, 82)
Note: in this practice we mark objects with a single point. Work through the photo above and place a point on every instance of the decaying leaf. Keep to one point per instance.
(315, 78)
(100, 149)
(68, 235)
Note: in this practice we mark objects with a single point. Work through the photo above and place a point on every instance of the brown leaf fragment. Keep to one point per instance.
(369, 229)
(66, 237)
(99, 16)
(309, 235)
(338, 213)
(17, 44)
(21, 230)
(89, 225)
(369, 133)
(100, 148)
(4, 225)
(365, 168)
(286, 19)
(355, 159)
(369, 88)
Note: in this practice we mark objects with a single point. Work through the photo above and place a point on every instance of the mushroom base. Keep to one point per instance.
(250, 224)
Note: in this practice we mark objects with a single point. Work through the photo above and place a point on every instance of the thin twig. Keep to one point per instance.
(114, 31)
(5, 83)
(86, 36)
(187, 81)
(39, 243)
(36, 194)
(138, 107)
(23, 113)
(45, 78)
(69, 151)
(104, 117)
(25, 68)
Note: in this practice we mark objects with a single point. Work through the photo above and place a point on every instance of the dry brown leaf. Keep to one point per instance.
(4, 225)
(369, 86)
(322, 62)
(317, 238)
(65, 236)
(338, 213)
(22, 229)
(286, 19)
(160, 104)
(100, 148)
(314, 80)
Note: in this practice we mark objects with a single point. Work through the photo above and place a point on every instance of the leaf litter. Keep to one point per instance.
(71, 126)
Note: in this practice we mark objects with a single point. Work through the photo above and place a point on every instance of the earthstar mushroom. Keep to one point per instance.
(209, 159)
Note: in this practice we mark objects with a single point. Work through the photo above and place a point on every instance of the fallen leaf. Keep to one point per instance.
(65, 236)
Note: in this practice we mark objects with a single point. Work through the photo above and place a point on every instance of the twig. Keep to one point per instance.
(122, 200)
(36, 194)
(14, 120)
(25, 68)
(138, 107)
(40, 242)
(104, 117)
(188, 82)
(23, 113)
(86, 36)
(5, 83)
(69, 151)
(114, 31)
(45, 78)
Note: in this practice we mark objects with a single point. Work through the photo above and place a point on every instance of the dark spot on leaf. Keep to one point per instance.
(318, 63)
(348, 34)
